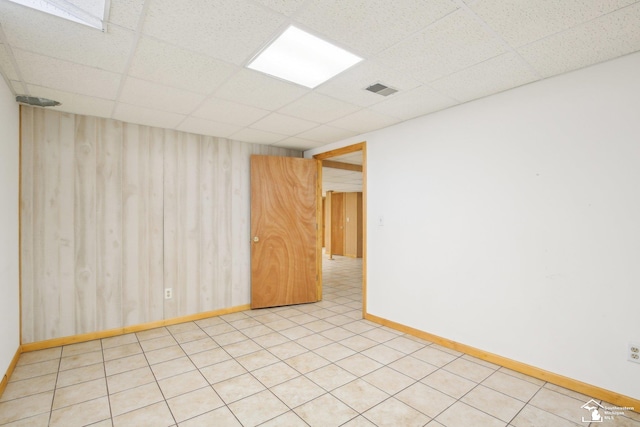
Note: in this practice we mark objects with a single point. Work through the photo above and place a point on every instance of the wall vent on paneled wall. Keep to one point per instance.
(381, 89)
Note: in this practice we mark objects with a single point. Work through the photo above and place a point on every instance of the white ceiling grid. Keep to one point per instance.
(181, 64)
(340, 180)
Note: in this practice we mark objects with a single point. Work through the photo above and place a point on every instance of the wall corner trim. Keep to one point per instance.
(557, 379)
(12, 366)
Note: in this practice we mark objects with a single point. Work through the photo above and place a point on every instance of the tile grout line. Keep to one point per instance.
(308, 344)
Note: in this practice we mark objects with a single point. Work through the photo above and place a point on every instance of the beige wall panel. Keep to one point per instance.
(85, 224)
(156, 225)
(114, 213)
(135, 145)
(240, 212)
(223, 224)
(183, 216)
(66, 227)
(189, 281)
(109, 225)
(27, 246)
(170, 209)
(47, 308)
(207, 210)
(142, 286)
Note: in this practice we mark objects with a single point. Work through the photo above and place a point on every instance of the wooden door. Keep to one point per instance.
(326, 224)
(337, 224)
(353, 225)
(285, 248)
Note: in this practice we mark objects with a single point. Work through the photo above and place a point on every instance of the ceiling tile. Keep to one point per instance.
(31, 30)
(599, 40)
(147, 116)
(257, 136)
(229, 112)
(18, 87)
(285, 125)
(341, 181)
(339, 186)
(451, 44)
(159, 97)
(326, 134)
(231, 30)
(298, 143)
(495, 75)
(163, 63)
(369, 26)
(94, 7)
(126, 13)
(522, 22)
(414, 103)
(364, 121)
(6, 66)
(286, 7)
(354, 158)
(319, 108)
(66, 76)
(74, 103)
(350, 86)
(337, 173)
(187, 61)
(208, 127)
(259, 90)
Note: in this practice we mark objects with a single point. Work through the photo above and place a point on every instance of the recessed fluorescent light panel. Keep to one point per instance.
(90, 12)
(302, 58)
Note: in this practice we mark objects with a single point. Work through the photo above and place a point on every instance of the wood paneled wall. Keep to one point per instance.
(113, 213)
(343, 216)
(337, 223)
(353, 225)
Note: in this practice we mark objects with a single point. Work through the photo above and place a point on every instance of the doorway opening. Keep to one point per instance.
(344, 173)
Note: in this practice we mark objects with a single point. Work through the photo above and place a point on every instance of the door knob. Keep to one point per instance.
(256, 239)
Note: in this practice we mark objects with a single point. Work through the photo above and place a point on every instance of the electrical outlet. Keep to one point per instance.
(634, 353)
(168, 293)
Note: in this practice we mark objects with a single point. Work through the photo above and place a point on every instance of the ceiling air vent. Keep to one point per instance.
(381, 89)
(38, 102)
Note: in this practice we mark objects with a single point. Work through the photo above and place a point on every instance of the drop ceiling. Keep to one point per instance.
(340, 180)
(181, 64)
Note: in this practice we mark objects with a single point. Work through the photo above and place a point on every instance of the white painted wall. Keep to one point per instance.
(512, 223)
(9, 160)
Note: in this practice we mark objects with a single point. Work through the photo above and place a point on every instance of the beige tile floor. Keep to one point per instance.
(307, 365)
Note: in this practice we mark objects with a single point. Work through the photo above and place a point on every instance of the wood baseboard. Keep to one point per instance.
(560, 380)
(73, 339)
(12, 366)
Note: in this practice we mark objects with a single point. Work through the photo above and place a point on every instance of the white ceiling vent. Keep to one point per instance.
(381, 89)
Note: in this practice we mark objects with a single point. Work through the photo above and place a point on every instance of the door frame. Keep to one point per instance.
(361, 146)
